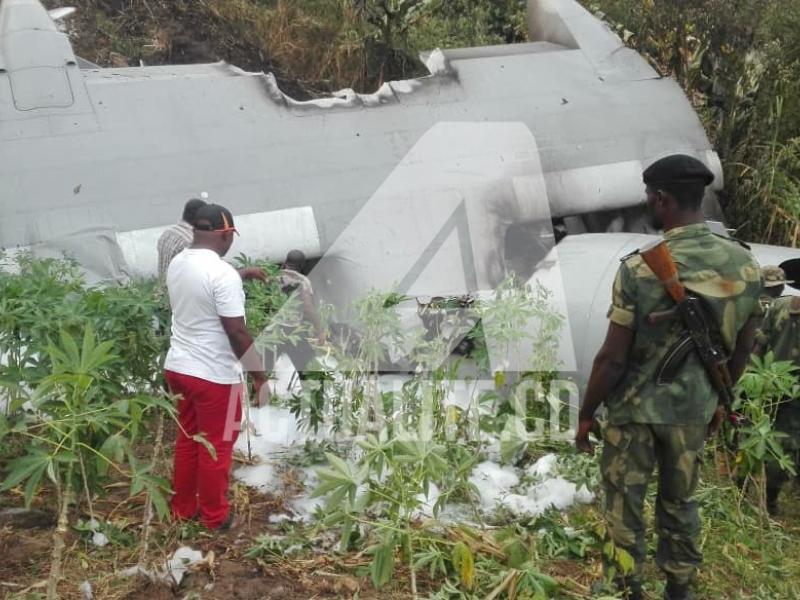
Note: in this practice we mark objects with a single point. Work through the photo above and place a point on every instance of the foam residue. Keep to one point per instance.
(499, 487)
(521, 491)
(493, 482)
(260, 477)
(544, 466)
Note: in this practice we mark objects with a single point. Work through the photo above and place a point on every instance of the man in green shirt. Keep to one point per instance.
(657, 423)
(780, 334)
(774, 283)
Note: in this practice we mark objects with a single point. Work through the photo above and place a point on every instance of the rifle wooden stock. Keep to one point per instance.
(658, 258)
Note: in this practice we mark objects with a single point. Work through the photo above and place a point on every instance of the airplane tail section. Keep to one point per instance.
(36, 61)
(567, 23)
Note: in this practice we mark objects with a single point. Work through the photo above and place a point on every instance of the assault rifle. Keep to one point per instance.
(702, 333)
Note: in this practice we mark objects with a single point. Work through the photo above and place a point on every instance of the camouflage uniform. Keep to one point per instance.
(780, 334)
(773, 277)
(665, 425)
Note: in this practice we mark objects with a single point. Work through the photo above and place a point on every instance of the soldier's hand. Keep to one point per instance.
(716, 422)
(582, 441)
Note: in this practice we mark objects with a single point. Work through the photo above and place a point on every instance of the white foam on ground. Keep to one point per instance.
(260, 477)
(305, 506)
(555, 493)
(495, 484)
(499, 487)
(276, 431)
(544, 466)
(427, 502)
(285, 382)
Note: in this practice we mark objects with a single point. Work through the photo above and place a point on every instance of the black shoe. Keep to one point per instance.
(634, 593)
(629, 591)
(228, 523)
(677, 591)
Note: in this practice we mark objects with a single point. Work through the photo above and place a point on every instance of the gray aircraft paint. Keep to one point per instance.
(95, 162)
(101, 151)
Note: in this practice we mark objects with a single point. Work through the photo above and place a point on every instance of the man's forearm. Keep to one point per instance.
(744, 346)
(310, 313)
(245, 350)
(606, 375)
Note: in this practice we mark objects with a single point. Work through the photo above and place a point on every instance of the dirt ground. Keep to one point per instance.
(26, 558)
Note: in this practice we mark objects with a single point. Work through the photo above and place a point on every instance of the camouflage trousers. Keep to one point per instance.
(787, 421)
(630, 455)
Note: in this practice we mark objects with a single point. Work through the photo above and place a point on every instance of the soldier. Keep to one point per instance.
(774, 283)
(651, 424)
(780, 334)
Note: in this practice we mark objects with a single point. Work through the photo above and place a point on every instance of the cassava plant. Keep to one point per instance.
(762, 388)
(85, 425)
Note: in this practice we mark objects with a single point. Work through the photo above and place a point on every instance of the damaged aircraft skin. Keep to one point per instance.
(471, 166)
(89, 154)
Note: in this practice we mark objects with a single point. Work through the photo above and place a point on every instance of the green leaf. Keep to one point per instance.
(113, 449)
(22, 468)
(159, 501)
(517, 553)
(200, 439)
(347, 532)
(464, 564)
(382, 566)
(625, 561)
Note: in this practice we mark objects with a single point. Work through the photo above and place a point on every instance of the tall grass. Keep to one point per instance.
(739, 63)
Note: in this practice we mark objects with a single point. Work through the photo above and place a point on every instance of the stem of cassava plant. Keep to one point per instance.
(148, 506)
(410, 551)
(86, 486)
(56, 555)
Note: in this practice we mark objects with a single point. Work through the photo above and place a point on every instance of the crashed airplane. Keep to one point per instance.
(485, 163)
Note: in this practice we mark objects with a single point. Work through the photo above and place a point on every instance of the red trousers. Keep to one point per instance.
(200, 480)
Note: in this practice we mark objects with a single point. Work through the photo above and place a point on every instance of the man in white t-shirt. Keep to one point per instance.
(209, 346)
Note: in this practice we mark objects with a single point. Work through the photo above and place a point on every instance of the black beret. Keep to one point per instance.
(677, 168)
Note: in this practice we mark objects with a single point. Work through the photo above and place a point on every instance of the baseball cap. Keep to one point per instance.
(773, 276)
(213, 217)
(677, 168)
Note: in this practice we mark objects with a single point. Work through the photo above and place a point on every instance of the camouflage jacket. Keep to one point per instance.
(723, 273)
(781, 330)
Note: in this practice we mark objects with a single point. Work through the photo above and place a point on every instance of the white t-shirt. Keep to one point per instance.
(202, 288)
